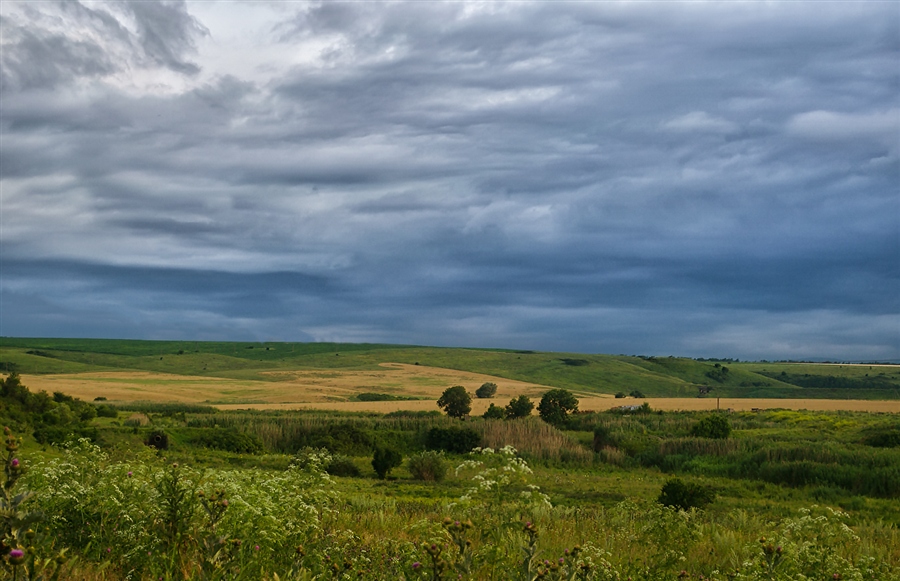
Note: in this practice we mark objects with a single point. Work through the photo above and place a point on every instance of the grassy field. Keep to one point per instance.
(289, 367)
(274, 494)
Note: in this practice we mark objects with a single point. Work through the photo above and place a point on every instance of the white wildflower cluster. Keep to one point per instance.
(502, 479)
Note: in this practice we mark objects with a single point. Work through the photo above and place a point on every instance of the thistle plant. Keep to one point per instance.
(19, 543)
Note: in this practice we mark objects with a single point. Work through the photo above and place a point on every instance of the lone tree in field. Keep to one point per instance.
(519, 407)
(486, 390)
(456, 401)
(556, 405)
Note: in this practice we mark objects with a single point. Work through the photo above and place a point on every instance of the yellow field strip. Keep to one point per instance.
(598, 403)
(330, 389)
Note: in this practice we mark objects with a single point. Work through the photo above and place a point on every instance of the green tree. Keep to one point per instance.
(487, 390)
(494, 412)
(519, 407)
(556, 405)
(456, 401)
(384, 459)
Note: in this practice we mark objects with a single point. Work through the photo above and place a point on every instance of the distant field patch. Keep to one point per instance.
(414, 387)
(296, 388)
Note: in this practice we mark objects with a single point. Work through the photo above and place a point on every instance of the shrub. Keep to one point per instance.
(158, 440)
(456, 440)
(494, 412)
(684, 495)
(636, 393)
(227, 440)
(488, 389)
(384, 460)
(519, 407)
(342, 466)
(620, 394)
(107, 411)
(712, 426)
(429, 466)
(887, 438)
(603, 438)
(369, 396)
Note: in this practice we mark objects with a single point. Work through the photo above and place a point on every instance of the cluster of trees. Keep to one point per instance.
(53, 418)
(554, 407)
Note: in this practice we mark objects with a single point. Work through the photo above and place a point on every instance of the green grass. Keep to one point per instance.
(611, 505)
(584, 374)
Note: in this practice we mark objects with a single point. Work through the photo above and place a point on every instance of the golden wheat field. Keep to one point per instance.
(328, 389)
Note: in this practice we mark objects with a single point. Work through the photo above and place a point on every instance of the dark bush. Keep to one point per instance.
(456, 440)
(494, 412)
(603, 438)
(228, 440)
(488, 389)
(376, 397)
(337, 438)
(685, 495)
(888, 438)
(429, 466)
(620, 394)
(519, 407)
(413, 414)
(384, 460)
(712, 426)
(107, 411)
(158, 440)
(342, 466)
(637, 394)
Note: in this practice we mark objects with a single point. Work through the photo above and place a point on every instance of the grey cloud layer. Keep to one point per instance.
(686, 178)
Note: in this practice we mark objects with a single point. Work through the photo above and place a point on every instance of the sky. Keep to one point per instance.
(702, 179)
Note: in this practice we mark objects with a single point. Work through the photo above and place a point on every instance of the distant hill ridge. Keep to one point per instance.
(586, 373)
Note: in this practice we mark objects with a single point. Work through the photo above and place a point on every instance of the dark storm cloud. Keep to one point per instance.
(702, 179)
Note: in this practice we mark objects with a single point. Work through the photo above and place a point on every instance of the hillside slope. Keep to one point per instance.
(609, 374)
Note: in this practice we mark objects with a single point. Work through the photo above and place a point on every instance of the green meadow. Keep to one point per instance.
(98, 490)
(602, 374)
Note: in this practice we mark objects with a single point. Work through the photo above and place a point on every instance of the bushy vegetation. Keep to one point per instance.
(712, 426)
(519, 407)
(385, 459)
(429, 465)
(452, 439)
(584, 502)
(682, 495)
(343, 466)
(487, 390)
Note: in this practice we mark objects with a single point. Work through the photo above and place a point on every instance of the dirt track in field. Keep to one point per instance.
(333, 390)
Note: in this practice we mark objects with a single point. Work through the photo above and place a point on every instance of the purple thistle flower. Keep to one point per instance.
(16, 554)
(256, 548)
(130, 474)
(416, 565)
(14, 462)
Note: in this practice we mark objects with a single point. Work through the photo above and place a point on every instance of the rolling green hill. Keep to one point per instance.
(652, 376)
